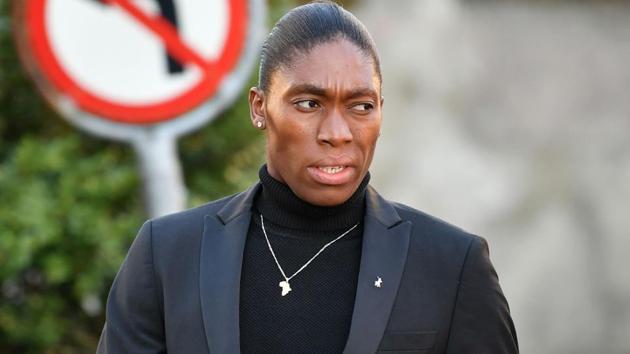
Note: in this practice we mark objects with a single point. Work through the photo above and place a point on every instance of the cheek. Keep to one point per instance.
(367, 137)
(287, 131)
(287, 139)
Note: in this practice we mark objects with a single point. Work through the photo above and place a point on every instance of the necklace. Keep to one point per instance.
(286, 287)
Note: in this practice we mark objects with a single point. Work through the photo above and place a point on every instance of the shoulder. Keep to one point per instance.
(426, 230)
(172, 242)
(185, 227)
(439, 249)
(446, 262)
(434, 227)
(436, 240)
(190, 217)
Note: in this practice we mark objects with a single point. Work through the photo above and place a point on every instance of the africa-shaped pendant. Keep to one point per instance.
(285, 287)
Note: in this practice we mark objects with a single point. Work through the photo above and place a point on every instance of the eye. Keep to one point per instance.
(308, 105)
(363, 107)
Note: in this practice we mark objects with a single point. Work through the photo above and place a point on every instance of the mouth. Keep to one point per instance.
(332, 175)
(331, 169)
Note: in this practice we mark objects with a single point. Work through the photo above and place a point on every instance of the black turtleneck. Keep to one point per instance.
(315, 316)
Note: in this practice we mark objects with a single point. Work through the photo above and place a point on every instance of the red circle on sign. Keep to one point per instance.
(213, 71)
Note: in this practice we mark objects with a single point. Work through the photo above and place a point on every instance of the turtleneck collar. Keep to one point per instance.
(278, 204)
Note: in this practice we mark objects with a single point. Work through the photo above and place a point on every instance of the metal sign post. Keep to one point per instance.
(141, 71)
(161, 173)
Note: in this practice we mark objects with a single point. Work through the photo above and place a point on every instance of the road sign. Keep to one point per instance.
(140, 71)
(135, 61)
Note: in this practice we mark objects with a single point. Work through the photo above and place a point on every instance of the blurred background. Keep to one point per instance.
(510, 119)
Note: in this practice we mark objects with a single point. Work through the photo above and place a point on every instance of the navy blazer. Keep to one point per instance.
(177, 291)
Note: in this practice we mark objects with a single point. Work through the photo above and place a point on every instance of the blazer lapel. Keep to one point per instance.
(222, 248)
(384, 254)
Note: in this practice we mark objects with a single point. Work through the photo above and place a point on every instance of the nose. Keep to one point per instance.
(334, 130)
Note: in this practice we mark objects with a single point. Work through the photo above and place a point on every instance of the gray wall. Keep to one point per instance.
(512, 120)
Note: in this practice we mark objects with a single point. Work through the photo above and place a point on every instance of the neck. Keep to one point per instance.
(279, 205)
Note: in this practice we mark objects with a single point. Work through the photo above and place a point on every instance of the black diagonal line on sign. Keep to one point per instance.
(168, 11)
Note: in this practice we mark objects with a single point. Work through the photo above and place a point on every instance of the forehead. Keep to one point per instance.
(337, 64)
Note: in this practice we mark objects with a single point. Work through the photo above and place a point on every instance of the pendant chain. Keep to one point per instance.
(262, 223)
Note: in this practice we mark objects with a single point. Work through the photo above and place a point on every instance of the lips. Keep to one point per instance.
(332, 173)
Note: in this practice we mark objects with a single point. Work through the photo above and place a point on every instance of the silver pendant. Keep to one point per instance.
(286, 288)
(379, 282)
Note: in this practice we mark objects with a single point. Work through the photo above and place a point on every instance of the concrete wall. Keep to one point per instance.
(513, 121)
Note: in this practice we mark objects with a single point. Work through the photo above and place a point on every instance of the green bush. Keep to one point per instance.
(70, 205)
(67, 215)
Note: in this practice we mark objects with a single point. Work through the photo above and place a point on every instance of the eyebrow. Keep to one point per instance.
(306, 88)
(362, 92)
(320, 91)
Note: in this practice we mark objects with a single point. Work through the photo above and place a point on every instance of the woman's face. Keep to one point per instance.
(322, 115)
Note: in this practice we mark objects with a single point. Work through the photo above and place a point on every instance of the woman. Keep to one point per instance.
(311, 259)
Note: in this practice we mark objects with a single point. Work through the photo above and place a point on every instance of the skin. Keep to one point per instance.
(321, 110)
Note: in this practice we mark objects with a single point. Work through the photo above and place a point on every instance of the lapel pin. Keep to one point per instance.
(378, 282)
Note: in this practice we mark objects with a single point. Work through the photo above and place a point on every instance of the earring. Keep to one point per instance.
(259, 124)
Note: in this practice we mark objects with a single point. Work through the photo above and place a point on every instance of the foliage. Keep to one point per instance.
(70, 206)
(66, 218)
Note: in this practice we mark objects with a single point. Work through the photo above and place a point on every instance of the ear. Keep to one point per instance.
(257, 107)
(382, 101)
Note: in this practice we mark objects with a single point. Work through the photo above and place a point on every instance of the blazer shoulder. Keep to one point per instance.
(187, 223)
(438, 245)
(197, 212)
(435, 228)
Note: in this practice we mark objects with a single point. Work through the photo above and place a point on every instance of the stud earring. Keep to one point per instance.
(259, 124)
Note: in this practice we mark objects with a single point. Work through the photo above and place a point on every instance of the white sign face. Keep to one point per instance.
(138, 61)
(118, 58)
